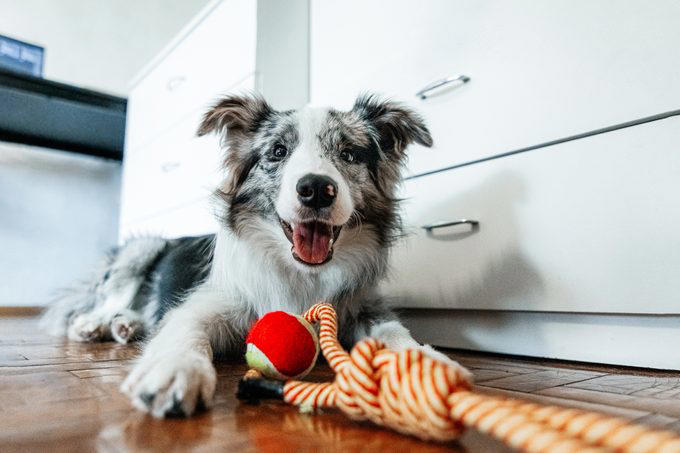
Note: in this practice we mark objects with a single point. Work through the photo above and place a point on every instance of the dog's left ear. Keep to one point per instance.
(237, 115)
(396, 126)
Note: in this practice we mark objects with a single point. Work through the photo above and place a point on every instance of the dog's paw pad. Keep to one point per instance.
(124, 330)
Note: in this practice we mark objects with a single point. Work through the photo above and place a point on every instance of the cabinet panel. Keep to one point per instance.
(193, 219)
(539, 70)
(585, 226)
(164, 174)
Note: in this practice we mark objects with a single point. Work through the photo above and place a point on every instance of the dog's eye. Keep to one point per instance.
(279, 152)
(347, 156)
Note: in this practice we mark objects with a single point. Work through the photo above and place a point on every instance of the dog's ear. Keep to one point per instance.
(239, 116)
(236, 115)
(396, 126)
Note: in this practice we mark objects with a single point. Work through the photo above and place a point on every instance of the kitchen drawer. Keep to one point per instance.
(174, 169)
(217, 54)
(192, 219)
(539, 70)
(589, 225)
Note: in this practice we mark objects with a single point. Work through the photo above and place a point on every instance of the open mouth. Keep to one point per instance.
(312, 241)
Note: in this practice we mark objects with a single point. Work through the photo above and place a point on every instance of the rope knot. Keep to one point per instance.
(405, 390)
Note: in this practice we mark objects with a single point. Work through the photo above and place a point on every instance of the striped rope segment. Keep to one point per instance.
(325, 315)
(412, 393)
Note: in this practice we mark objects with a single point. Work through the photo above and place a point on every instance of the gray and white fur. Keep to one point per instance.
(307, 214)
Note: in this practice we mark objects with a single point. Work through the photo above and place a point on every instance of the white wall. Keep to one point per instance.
(98, 44)
(283, 42)
(58, 214)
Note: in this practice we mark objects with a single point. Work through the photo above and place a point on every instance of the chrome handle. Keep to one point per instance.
(167, 167)
(175, 82)
(434, 226)
(422, 94)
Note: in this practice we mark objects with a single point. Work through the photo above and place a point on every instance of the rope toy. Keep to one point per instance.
(430, 399)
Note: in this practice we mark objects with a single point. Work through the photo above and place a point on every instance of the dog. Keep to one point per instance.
(307, 213)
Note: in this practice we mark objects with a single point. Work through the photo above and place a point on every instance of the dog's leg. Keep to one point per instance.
(175, 372)
(376, 320)
(97, 324)
(397, 338)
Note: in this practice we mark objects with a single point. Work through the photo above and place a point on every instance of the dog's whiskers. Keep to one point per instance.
(358, 221)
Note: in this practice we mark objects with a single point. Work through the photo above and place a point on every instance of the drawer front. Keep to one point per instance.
(165, 174)
(586, 226)
(539, 70)
(174, 169)
(216, 55)
(192, 219)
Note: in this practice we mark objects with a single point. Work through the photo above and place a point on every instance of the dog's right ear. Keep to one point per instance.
(237, 115)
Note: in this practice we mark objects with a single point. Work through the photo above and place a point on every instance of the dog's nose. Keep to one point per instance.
(316, 191)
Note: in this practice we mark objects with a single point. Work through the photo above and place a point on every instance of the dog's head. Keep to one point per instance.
(313, 180)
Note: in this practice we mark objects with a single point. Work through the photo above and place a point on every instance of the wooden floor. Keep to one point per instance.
(59, 396)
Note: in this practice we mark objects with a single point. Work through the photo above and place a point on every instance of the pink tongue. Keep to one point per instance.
(311, 242)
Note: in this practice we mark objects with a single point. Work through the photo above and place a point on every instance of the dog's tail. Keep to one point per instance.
(66, 305)
(81, 297)
(120, 265)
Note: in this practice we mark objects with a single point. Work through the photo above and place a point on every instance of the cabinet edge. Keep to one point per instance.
(648, 341)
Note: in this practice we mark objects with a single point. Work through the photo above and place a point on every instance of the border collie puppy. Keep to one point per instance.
(307, 213)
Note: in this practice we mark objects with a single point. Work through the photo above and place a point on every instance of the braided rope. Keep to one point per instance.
(414, 394)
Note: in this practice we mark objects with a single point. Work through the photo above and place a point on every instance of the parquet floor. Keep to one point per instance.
(60, 396)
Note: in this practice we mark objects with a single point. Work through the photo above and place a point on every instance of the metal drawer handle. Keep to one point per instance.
(175, 82)
(167, 167)
(434, 226)
(422, 94)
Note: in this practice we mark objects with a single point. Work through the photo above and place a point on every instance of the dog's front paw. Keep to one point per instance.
(171, 386)
(461, 371)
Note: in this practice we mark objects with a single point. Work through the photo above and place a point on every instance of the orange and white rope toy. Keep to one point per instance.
(414, 394)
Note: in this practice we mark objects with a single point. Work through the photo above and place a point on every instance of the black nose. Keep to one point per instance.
(316, 191)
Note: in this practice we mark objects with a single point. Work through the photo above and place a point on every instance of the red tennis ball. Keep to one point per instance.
(282, 346)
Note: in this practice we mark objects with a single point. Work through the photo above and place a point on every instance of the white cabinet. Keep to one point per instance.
(589, 225)
(163, 175)
(191, 219)
(577, 250)
(539, 70)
